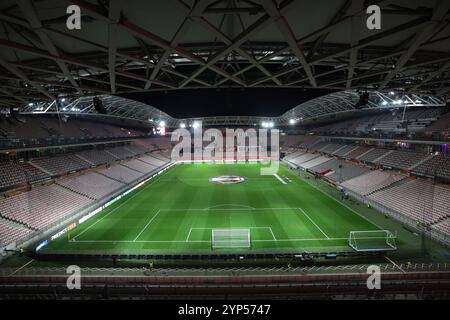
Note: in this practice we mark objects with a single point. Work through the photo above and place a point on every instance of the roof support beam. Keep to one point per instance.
(439, 13)
(30, 13)
(286, 30)
(207, 25)
(413, 24)
(355, 11)
(197, 10)
(45, 54)
(23, 77)
(432, 75)
(115, 7)
(243, 37)
(139, 32)
(14, 96)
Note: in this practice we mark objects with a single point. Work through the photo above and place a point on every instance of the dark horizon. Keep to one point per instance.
(191, 103)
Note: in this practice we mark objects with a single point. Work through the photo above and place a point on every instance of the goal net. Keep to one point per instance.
(378, 240)
(230, 238)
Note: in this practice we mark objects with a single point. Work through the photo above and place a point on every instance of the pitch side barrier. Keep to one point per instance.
(267, 258)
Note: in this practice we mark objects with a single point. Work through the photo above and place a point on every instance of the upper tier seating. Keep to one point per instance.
(43, 127)
(290, 141)
(42, 206)
(442, 124)
(62, 164)
(308, 141)
(403, 159)
(438, 165)
(417, 199)
(372, 181)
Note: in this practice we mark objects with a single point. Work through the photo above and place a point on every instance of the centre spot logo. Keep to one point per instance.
(227, 179)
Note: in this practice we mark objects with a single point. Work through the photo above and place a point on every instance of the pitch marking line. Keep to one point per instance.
(74, 238)
(206, 228)
(204, 241)
(145, 227)
(279, 178)
(228, 209)
(216, 207)
(314, 223)
(341, 203)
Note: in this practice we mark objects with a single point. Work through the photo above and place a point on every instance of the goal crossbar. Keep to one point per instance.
(230, 238)
(373, 240)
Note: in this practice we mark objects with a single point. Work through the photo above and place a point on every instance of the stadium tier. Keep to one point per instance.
(303, 158)
(417, 199)
(60, 165)
(345, 150)
(314, 162)
(139, 165)
(9, 233)
(96, 157)
(339, 170)
(15, 173)
(96, 185)
(438, 165)
(403, 159)
(121, 152)
(42, 206)
(120, 173)
(372, 182)
(358, 152)
(374, 155)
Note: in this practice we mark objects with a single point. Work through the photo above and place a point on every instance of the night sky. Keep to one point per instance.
(189, 103)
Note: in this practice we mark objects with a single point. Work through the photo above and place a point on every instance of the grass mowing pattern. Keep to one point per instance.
(176, 212)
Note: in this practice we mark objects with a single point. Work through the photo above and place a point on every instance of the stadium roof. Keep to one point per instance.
(331, 104)
(133, 46)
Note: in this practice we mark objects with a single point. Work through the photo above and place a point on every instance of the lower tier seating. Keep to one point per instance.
(372, 181)
(42, 206)
(418, 199)
(10, 233)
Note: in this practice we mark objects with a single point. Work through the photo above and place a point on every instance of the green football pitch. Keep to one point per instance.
(177, 211)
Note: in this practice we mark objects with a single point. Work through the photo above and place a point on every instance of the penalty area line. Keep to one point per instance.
(115, 209)
(145, 227)
(314, 223)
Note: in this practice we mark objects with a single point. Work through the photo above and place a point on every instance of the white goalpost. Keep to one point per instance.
(375, 240)
(230, 238)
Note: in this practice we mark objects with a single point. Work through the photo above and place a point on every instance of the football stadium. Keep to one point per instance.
(196, 149)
